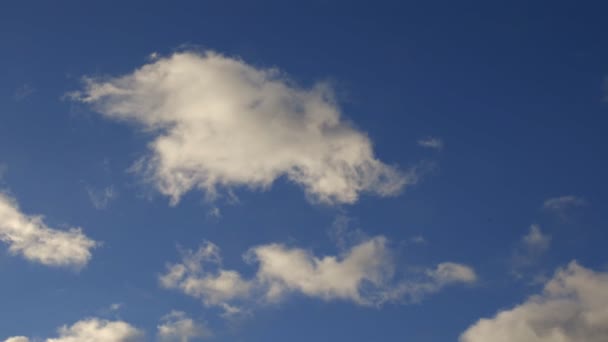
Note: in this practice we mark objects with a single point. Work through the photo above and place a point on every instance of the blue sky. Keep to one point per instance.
(365, 171)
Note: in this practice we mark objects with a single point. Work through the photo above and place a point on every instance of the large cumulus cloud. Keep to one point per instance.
(218, 122)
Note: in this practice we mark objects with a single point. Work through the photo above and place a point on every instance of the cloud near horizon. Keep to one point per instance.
(217, 122)
(365, 274)
(31, 238)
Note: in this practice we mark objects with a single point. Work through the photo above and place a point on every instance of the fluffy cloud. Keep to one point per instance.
(573, 307)
(177, 327)
(364, 274)
(218, 122)
(431, 142)
(30, 237)
(284, 270)
(92, 330)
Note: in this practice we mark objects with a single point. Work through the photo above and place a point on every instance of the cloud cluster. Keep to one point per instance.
(364, 274)
(571, 308)
(218, 122)
(92, 330)
(30, 237)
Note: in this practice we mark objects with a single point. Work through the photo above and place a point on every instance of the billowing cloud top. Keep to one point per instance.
(34, 240)
(219, 122)
(572, 308)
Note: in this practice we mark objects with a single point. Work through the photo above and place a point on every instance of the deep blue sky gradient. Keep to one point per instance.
(515, 89)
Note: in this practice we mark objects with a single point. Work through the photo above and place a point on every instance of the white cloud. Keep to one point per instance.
(214, 286)
(285, 270)
(177, 327)
(573, 307)
(563, 202)
(100, 198)
(450, 272)
(218, 122)
(431, 142)
(93, 330)
(30, 237)
(364, 274)
(17, 339)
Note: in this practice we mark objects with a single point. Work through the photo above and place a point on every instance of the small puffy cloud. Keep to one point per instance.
(218, 122)
(571, 308)
(30, 237)
(177, 327)
(530, 249)
(431, 142)
(364, 274)
(563, 202)
(100, 198)
(93, 330)
(449, 272)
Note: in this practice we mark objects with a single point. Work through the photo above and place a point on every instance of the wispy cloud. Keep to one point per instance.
(23, 92)
(563, 202)
(100, 198)
(530, 249)
(431, 142)
(564, 206)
